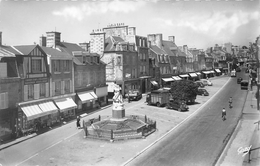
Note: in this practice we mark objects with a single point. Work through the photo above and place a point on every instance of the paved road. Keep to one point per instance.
(199, 141)
(66, 145)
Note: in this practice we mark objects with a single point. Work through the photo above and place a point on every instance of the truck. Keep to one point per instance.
(159, 97)
(134, 94)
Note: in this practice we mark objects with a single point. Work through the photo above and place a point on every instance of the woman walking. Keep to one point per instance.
(223, 114)
(78, 122)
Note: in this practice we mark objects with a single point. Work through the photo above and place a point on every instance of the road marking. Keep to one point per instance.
(167, 133)
(27, 159)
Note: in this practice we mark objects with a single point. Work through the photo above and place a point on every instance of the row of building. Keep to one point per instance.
(41, 85)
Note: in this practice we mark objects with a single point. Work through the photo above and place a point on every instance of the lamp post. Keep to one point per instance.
(257, 59)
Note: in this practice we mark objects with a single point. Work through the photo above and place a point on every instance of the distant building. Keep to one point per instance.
(53, 39)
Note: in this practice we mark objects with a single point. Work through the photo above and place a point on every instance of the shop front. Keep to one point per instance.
(34, 116)
(6, 123)
(184, 76)
(66, 108)
(193, 76)
(199, 75)
(102, 93)
(176, 78)
(167, 82)
(154, 86)
(218, 72)
(87, 101)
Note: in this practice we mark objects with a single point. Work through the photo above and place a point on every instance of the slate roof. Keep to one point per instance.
(110, 42)
(157, 50)
(56, 53)
(7, 51)
(69, 47)
(25, 49)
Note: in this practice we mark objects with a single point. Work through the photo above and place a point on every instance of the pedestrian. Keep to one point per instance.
(223, 114)
(78, 122)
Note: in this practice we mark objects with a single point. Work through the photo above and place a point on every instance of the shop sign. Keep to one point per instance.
(35, 80)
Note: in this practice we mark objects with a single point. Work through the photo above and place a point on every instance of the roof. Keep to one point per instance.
(157, 50)
(111, 41)
(54, 53)
(7, 51)
(69, 47)
(25, 49)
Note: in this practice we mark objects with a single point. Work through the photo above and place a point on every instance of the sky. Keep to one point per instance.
(196, 23)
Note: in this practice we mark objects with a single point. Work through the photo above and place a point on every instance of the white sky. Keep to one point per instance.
(196, 23)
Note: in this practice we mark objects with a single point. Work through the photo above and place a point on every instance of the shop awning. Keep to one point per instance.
(217, 70)
(154, 83)
(212, 71)
(167, 79)
(65, 104)
(48, 107)
(87, 96)
(32, 111)
(193, 74)
(206, 72)
(101, 91)
(198, 73)
(184, 75)
(176, 78)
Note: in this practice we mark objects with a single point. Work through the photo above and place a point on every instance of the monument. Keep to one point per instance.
(118, 110)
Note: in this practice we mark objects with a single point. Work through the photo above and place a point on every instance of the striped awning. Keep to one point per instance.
(167, 79)
(184, 75)
(154, 83)
(48, 107)
(176, 78)
(206, 72)
(212, 71)
(198, 73)
(87, 96)
(65, 104)
(193, 74)
(32, 111)
(217, 70)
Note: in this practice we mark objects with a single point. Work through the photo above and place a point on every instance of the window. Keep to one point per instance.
(42, 90)
(4, 100)
(56, 66)
(67, 86)
(30, 91)
(66, 66)
(36, 65)
(57, 87)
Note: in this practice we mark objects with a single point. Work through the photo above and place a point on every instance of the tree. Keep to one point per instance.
(184, 90)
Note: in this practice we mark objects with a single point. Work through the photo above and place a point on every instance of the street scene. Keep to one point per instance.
(129, 83)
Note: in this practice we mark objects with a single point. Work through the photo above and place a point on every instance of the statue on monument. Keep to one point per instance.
(117, 99)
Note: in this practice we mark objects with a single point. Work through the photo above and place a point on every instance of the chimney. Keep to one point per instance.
(172, 38)
(158, 40)
(0, 38)
(185, 49)
(43, 41)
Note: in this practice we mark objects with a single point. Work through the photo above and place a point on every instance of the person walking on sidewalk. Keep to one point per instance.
(78, 122)
(223, 114)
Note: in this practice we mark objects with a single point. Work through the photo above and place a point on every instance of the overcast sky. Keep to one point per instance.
(198, 24)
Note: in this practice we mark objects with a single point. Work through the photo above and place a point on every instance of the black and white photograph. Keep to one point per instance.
(129, 83)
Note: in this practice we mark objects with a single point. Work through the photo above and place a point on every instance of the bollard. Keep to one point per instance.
(111, 138)
(145, 119)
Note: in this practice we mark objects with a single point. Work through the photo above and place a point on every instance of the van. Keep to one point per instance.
(244, 84)
(233, 73)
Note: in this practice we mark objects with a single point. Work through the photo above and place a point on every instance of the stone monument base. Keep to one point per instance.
(118, 114)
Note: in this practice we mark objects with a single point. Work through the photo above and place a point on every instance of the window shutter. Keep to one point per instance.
(71, 86)
(25, 92)
(1, 100)
(47, 89)
(53, 88)
(36, 91)
(62, 87)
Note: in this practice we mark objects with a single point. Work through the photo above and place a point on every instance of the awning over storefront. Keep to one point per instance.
(198, 73)
(212, 71)
(217, 70)
(193, 74)
(154, 83)
(87, 96)
(101, 91)
(167, 79)
(184, 75)
(206, 72)
(65, 104)
(48, 107)
(176, 78)
(32, 111)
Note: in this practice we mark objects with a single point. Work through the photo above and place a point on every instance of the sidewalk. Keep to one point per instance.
(245, 135)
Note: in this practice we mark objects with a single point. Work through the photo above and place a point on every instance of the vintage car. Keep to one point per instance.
(206, 82)
(239, 80)
(200, 84)
(203, 92)
(175, 105)
(134, 95)
(244, 84)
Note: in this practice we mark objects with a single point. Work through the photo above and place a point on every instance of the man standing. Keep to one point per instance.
(223, 114)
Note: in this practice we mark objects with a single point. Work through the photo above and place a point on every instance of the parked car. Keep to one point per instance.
(203, 92)
(239, 80)
(244, 84)
(200, 84)
(179, 106)
(134, 94)
(206, 82)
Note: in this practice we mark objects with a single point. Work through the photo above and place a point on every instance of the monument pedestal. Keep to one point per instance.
(118, 114)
